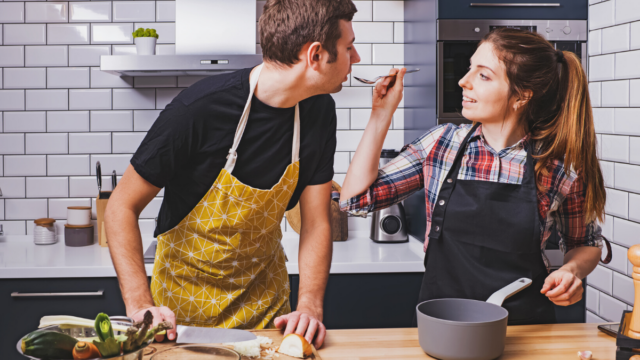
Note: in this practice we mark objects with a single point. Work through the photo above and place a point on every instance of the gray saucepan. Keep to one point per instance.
(463, 329)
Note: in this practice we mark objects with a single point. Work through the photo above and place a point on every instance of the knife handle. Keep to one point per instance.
(114, 180)
(99, 175)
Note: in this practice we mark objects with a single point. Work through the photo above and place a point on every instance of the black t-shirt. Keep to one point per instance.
(187, 146)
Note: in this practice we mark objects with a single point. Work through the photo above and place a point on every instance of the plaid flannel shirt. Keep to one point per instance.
(425, 163)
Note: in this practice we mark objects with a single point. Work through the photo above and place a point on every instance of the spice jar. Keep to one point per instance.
(44, 232)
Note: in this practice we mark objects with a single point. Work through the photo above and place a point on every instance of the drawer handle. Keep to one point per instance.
(97, 293)
(516, 4)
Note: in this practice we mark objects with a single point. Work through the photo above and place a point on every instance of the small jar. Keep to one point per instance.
(44, 232)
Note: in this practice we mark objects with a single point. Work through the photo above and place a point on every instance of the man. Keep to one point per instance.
(219, 262)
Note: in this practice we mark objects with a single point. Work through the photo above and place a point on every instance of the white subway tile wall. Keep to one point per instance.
(615, 93)
(67, 121)
(25, 34)
(46, 55)
(59, 113)
(87, 55)
(11, 56)
(98, 11)
(68, 34)
(46, 12)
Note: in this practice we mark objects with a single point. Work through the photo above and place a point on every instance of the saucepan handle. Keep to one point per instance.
(506, 292)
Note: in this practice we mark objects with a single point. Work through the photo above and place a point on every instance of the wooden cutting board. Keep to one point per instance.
(274, 334)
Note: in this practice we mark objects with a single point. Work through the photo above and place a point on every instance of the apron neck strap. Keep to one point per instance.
(233, 155)
(455, 168)
(529, 169)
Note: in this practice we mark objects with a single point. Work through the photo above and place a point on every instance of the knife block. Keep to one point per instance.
(101, 206)
(628, 339)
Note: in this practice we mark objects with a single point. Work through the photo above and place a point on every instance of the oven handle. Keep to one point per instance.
(96, 293)
(440, 80)
(515, 4)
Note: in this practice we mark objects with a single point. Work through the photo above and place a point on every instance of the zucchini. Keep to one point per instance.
(48, 345)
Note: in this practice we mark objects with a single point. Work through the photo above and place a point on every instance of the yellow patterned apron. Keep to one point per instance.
(224, 265)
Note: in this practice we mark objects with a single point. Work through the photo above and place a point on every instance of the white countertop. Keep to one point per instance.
(21, 258)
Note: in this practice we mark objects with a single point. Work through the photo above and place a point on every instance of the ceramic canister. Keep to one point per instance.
(78, 235)
(79, 215)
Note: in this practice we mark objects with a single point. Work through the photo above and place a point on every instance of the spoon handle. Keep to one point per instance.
(407, 72)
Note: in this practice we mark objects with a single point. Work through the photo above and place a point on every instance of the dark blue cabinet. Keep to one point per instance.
(513, 9)
(21, 315)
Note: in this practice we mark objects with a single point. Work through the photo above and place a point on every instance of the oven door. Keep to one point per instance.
(453, 61)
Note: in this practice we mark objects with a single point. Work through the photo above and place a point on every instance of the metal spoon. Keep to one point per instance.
(371, 82)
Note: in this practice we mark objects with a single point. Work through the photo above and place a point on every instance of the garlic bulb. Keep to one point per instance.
(296, 346)
(584, 355)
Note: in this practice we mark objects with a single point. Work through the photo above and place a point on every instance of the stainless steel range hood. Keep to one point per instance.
(212, 37)
(176, 65)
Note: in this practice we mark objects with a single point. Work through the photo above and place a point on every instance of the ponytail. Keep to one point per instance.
(558, 115)
(571, 135)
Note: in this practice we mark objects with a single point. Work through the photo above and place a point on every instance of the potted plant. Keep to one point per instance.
(145, 40)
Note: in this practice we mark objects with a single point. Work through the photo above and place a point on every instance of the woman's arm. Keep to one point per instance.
(363, 169)
(581, 242)
(564, 286)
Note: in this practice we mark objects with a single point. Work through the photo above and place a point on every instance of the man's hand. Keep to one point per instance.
(304, 323)
(563, 287)
(160, 314)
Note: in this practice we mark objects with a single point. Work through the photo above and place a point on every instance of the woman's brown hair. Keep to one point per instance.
(558, 114)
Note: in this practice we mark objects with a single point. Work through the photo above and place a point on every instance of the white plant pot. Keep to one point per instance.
(145, 45)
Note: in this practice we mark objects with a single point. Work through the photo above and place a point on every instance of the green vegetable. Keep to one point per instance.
(141, 332)
(103, 327)
(107, 345)
(160, 328)
(137, 333)
(108, 348)
(48, 345)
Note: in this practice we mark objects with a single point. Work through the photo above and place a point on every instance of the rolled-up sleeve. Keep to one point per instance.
(396, 181)
(571, 220)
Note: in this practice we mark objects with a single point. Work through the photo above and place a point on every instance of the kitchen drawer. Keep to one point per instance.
(462, 9)
(20, 315)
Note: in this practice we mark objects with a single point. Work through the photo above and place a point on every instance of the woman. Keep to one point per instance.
(495, 189)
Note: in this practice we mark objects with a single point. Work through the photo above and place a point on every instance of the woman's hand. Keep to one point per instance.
(563, 287)
(387, 93)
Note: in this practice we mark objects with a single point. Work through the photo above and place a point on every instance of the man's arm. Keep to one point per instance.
(130, 197)
(314, 262)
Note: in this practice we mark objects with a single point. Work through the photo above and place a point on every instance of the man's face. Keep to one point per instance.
(338, 71)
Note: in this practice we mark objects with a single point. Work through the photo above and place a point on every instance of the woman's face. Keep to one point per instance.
(485, 87)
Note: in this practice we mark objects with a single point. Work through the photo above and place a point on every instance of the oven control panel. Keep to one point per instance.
(552, 30)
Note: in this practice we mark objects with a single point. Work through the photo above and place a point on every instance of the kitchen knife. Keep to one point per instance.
(200, 335)
(114, 180)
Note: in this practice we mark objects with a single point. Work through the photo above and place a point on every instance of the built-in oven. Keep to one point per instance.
(457, 40)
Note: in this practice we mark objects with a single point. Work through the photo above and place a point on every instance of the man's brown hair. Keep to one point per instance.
(287, 25)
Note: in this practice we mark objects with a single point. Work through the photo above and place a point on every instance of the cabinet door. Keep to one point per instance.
(21, 315)
(361, 301)
(463, 9)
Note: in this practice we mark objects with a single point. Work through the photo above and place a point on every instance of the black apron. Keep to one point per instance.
(485, 235)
